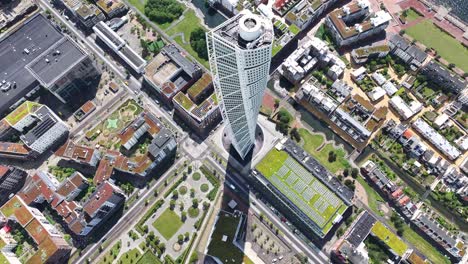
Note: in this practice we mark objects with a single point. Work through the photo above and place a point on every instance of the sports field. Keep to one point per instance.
(302, 188)
(447, 47)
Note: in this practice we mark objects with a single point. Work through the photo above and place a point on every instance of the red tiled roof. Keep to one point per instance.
(67, 210)
(36, 231)
(14, 148)
(70, 184)
(88, 107)
(397, 193)
(407, 134)
(4, 170)
(99, 197)
(404, 200)
(75, 152)
(49, 248)
(76, 226)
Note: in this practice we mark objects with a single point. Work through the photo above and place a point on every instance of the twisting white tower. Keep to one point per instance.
(239, 51)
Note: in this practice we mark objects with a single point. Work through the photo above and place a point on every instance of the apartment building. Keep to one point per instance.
(345, 29)
(11, 181)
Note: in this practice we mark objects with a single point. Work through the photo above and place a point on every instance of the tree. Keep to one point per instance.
(181, 206)
(145, 229)
(277, 103)
(175, 194)
(187, 236)
(295, 134)
(180, 239)
(198, 42)
(172, 204)
(451, 65)
(163, 11)
(195, 203)
(206, 205)
(331, 156)
(402, 32)
(183, 216)
(354, 173)
(192, 192)
(346, 172)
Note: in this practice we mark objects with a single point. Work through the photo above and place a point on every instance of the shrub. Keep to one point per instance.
(198, 42)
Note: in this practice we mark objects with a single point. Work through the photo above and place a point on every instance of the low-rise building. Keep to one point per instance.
(449, 242)
(305, 12)
(313, 52)
(441, 143)
(170, 72)
(80, 155)
(339, 23)
(408, 53)
(89, 15)
(40, 55)
(11, 180)
(362, 55)
(102, 204)
(120, 47)
(199, 109)
(442, 77)
(40, 128)
(112, 8)
(376, 94)
(404, 109)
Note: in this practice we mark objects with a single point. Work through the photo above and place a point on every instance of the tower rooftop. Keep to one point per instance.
(246, 31)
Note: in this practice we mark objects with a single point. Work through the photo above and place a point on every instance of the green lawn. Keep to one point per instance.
(188, 48)
(313, 141)
(294, 29)
(412, 15)
(446, 46)
(285, 173)
(148, 258)
(111, 254)
(186, 26)
(225, 251)
(3, 259)
(139, 4)
(129, 257)
(373, 197)
(389, 238)
(168, 223)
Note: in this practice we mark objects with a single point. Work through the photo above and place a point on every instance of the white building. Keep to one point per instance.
(405, 110)
(239, 51)
(376, 94)
(440, 142)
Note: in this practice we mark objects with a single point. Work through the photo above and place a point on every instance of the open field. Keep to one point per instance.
(302, 188)
(389, 238)
(412, 15)
(227, 252)
(139, 4)
(168, 223)
(148, 258)
(373, 198)
(130, 256)
(446, 46)
(310, 144)
(185, 27)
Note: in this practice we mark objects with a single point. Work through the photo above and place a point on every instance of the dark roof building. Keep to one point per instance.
(38, 54)
(407, 52)
(11, 180)
(443, 77)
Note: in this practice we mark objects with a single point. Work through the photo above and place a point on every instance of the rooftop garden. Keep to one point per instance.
(21, 111)
(199, 86)
(389, 238)
(184, 101)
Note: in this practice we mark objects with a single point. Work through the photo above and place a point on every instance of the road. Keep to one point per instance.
(128, 219)
(314, 255)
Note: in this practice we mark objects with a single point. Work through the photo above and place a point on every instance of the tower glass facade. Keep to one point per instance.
(239, 52)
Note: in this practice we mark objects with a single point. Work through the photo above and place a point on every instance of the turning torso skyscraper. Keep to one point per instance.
(239, 51)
